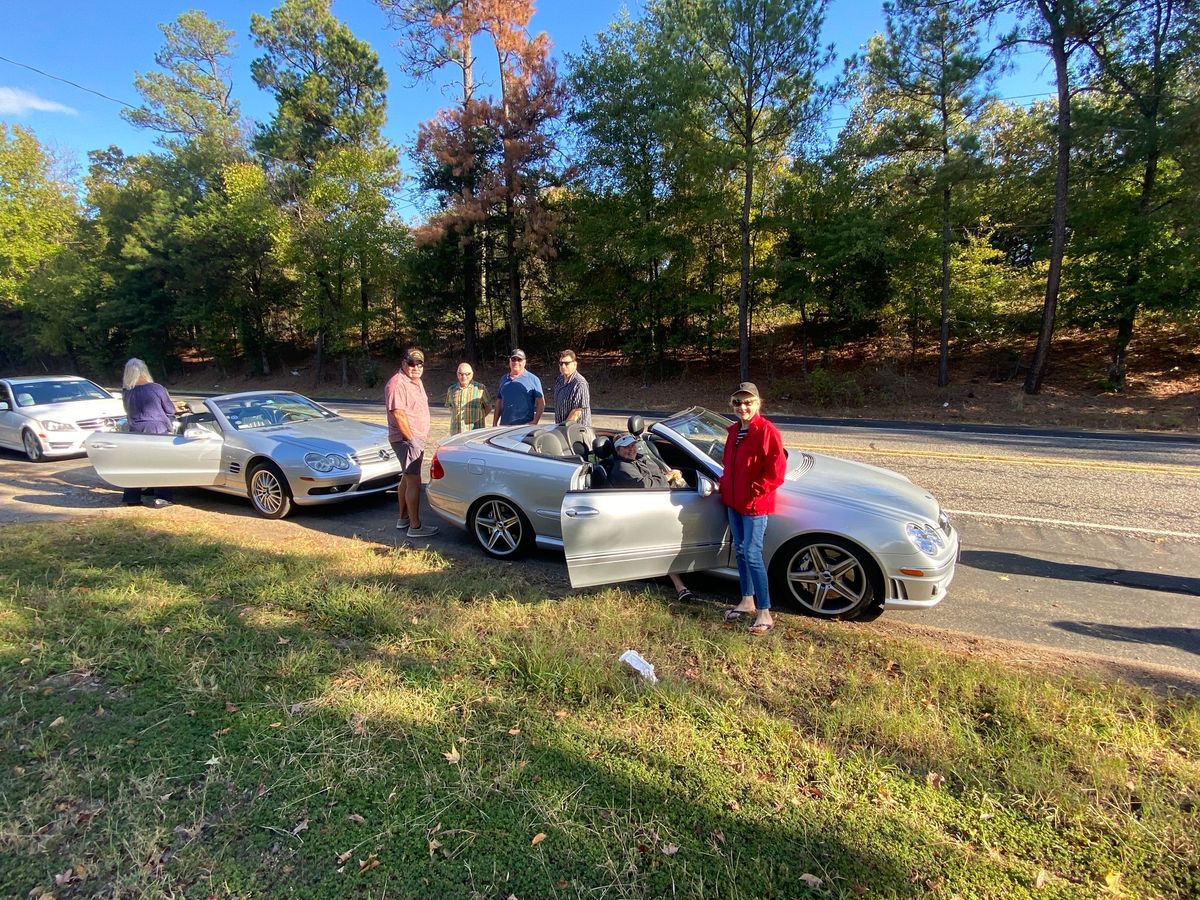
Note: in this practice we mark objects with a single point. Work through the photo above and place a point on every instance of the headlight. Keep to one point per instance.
(925, 538)
(326, 462)
(57, 426)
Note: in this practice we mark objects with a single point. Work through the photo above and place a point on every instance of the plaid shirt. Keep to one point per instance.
(569, 395)
(468, 407)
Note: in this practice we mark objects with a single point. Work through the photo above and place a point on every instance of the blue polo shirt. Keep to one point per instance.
(518, 396)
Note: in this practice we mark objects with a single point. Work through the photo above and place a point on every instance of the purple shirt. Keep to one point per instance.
(149, 409)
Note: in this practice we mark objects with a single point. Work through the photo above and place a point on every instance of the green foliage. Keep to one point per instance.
(195, 710)
(37, 210)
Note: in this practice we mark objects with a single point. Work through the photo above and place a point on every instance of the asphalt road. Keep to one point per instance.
(1077, 543)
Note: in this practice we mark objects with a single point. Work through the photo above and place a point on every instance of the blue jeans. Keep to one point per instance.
(748, 532)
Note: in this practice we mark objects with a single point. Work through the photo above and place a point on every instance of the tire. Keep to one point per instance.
(500, 528)
(269, 493)
(826, 577)
(33, 447)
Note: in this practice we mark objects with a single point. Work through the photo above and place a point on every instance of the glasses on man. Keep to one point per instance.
(565, 362)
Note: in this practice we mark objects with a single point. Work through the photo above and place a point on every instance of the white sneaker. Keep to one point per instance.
(423, 531)
(401, 524)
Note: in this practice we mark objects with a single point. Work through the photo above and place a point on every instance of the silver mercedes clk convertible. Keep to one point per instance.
(846, 541)
(278, 448)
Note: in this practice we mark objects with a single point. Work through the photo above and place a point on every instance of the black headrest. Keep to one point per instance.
(602, 447)
(635, 424)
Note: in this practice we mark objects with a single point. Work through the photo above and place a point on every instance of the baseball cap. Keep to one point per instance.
(747, 387)
(625, 440)
(517, 354)
(414, 356)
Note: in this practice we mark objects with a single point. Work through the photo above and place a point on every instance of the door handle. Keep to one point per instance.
(583, 512)
(103, 445)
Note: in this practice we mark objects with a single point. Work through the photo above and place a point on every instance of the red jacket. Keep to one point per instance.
(754, 469)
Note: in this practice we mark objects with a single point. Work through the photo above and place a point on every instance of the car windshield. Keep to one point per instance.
(267, 410)
(54, 390)
(705, 430)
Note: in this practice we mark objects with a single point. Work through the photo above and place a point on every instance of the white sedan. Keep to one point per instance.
(53, 416)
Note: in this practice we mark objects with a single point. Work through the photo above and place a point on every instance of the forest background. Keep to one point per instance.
(669, 201)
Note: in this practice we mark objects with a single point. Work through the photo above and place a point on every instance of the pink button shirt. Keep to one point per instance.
(408, 396)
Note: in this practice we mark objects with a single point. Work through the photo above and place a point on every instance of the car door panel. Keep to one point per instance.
(610, 536)
(155, 460)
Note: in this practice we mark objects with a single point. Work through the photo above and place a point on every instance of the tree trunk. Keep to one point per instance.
(470, 289)
(744, 285)
(1128, 316)
(514, 270)
(1041, 353)
(944, 333)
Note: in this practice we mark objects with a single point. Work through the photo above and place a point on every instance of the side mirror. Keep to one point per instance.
(3, 406)
(705, 486)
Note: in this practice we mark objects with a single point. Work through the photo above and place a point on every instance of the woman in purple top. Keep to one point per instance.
(150, 411)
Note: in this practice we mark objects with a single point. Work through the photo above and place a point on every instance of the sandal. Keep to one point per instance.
(685, 595)
(735, 615)
(760, 628)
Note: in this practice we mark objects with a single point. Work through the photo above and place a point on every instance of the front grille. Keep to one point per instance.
(96, 424)
(375, 454)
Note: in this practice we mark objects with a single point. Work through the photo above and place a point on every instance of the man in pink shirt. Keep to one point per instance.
(408, 431)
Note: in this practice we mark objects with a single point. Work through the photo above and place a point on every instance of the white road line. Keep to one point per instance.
(1127, 529)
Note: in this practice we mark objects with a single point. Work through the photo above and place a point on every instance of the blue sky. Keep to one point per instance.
(101, 44)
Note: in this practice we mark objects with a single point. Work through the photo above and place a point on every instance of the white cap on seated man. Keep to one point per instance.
(626, 449)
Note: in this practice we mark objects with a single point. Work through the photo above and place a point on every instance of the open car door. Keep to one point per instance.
(624, 534)
(156, 460)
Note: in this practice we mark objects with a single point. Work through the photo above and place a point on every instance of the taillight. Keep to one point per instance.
(435, 468)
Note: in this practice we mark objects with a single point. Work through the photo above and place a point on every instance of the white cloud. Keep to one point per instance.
(16, 102)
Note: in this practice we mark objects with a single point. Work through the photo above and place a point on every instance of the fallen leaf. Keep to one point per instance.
(514, 731)
(811, 880)
(300, 826)
(1005, 578)
(670, 849)
(221, 732)
(343, 858)
(561, 714)
(283, 640)
(276, 725)
(230, 707)
(64, 877)
(1113, 882)
(561, 883)
(213, 761)
(434, 846)
(355, 817)
(366, 865)
(26, 660)
(537, 839)
(934, 780)
(59, 721)
(1040, 879)
(452, 755)
(357, 723)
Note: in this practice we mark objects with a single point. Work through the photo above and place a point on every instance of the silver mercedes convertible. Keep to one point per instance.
(276, 447)
(846, 541)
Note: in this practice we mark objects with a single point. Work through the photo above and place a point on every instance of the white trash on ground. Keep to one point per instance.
(639, 664)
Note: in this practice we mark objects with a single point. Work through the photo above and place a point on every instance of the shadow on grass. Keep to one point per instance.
(183, 713)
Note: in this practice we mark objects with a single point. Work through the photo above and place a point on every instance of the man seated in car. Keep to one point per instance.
(632, 469)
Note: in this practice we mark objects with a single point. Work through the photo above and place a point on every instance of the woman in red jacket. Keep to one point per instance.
(754, 463)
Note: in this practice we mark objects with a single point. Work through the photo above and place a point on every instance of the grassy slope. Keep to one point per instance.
(189, 711)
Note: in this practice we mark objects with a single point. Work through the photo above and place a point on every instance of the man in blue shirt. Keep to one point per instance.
(519, 400)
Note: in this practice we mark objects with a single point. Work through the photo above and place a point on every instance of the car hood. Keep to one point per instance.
(75, 410)
(853, 484)
(326, 435)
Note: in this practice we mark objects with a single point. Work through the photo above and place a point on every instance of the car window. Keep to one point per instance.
(268, 410)
(52, 390)
(705, 430)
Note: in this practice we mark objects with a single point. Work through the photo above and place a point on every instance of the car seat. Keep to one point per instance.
(550, 443)
(580, 439)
